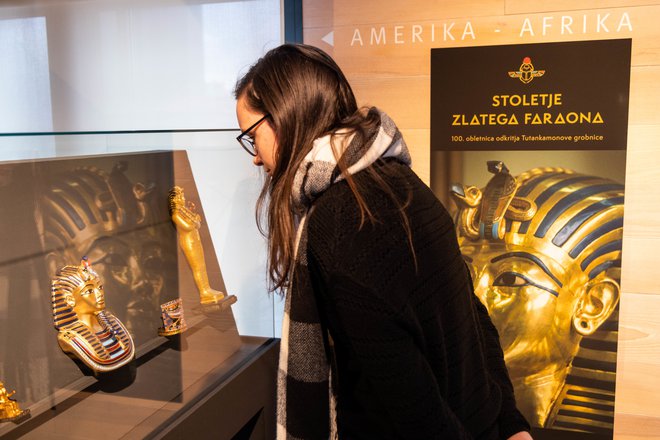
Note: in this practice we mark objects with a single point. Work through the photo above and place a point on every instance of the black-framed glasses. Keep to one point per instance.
(246, 140)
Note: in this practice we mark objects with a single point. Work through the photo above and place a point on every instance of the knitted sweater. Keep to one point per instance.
(416, 353)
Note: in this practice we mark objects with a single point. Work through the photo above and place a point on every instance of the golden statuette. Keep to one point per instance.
(544, 252)
(9, 409)
(172, 316)
(187, 223)
(86, 330)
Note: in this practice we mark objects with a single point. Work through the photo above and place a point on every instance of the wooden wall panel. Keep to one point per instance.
(639, 267)
(637, 403)
(642, 208)
(525, 6)
(395, 75)
(317, 13)
(644, 96)
(411, 56)
(636, 427)
(377, 11)
(421, 157)
(400, 97)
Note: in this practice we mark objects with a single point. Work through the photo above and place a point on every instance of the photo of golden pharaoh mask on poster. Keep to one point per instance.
(544, 252)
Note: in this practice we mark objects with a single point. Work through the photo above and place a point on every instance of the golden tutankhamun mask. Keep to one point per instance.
(544, 252)
(86, 330)
(187, 223)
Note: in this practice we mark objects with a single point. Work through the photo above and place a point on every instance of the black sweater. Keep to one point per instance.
(416, 353)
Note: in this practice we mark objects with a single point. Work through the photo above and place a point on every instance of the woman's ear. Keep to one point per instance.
(597, 300)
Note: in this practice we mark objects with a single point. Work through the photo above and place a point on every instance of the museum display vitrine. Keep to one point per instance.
(107, 324)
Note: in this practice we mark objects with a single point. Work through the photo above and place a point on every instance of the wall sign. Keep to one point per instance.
(531, 96)
(542, 238)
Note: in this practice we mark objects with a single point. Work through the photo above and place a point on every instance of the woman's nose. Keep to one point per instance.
(257, 160)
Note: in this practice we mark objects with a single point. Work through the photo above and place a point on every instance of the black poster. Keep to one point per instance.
(531, 96)
(528, 152)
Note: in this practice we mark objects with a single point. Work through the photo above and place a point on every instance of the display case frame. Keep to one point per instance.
(173, 379)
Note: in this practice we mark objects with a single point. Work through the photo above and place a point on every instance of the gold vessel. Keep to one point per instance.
(172, 316)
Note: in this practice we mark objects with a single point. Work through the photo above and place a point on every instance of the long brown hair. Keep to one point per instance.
(307, 96)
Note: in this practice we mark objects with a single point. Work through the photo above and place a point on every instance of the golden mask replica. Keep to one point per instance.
(86, 330)
(544, 251)
(187, 223)
(9, 410)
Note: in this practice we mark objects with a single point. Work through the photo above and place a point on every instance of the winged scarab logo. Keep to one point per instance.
(526, 72)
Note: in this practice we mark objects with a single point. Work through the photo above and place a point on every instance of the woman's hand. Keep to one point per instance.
(522, 435)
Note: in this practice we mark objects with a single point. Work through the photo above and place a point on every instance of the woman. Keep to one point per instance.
(376, 286)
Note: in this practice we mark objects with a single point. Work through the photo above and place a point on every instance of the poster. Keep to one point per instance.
(528, 142)
(531, 96)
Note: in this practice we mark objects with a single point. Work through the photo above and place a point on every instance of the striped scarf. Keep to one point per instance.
(305, 401)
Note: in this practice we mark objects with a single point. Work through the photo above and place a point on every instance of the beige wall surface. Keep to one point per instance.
(384, 48)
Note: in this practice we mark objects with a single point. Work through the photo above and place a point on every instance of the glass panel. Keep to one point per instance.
(121, 76)
(113, 208)
(228, 185)
(91, 84)
(107, 65)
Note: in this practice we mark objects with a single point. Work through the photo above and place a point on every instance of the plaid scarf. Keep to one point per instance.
(305, 401)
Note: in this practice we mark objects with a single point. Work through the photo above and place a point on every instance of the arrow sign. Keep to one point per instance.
(329, 38)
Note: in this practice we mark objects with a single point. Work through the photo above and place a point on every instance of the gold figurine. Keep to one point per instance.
(172, 316)
(86, 330)
(544, 251)
(9, 409)
(187, 223)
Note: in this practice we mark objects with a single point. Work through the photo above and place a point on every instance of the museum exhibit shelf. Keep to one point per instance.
(194, 387)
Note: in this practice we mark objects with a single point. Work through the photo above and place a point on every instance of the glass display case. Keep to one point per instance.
(158, 259)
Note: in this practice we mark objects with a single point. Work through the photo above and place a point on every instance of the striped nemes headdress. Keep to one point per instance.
(102, 351)
(553, 210)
